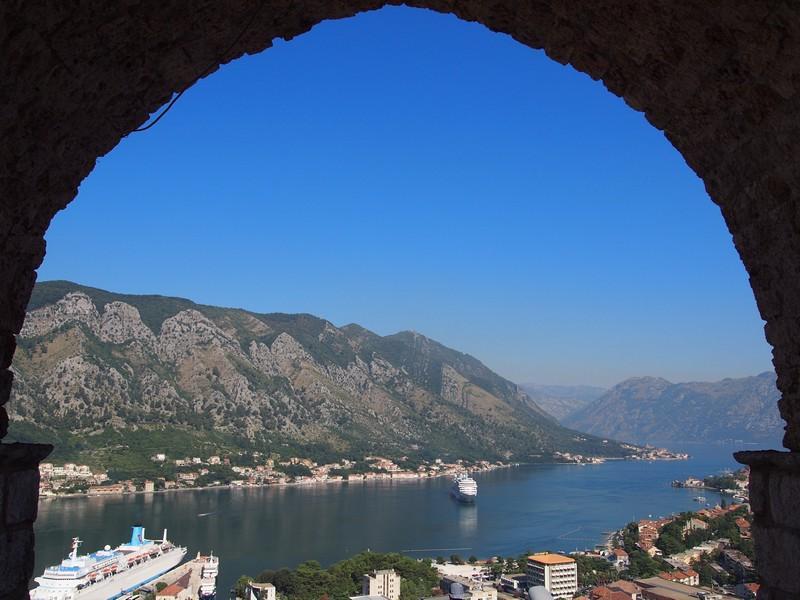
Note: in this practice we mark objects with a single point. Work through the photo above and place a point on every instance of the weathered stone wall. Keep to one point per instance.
(720, 79)
(19, 493)
(775, 502)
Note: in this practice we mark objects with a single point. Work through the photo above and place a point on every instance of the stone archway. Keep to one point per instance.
(722, 81)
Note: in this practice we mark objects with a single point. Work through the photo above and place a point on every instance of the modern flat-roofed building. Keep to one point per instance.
(556, 572)
(384, 583)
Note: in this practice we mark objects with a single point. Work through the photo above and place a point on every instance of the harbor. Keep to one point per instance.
(138, 566)
(517, 509)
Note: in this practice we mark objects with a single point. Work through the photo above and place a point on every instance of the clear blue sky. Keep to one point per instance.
(406, 170)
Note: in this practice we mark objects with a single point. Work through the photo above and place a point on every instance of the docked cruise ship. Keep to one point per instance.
(108, 573)
(464, 489)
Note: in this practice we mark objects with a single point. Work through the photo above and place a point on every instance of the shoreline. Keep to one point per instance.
(362, 480)
(277, 484)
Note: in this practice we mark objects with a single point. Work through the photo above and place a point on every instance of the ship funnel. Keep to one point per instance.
(137, 535)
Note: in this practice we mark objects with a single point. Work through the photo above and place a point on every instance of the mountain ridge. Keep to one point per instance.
(562, 400)
(654, 410)
(89, 358)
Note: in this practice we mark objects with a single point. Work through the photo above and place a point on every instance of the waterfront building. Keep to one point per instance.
(149, 486)
(101, 490)
(556, 572)
(384, 583)
(260, 591)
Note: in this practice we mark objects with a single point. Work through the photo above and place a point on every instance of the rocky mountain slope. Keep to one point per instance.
(651, 409)
(561, 401)
(90, 360)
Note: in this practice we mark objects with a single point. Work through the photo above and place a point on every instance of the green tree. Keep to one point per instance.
(241, 585)
(456, 559)
(440, 560)
(594, 571)
(496, 569)
(472, 559)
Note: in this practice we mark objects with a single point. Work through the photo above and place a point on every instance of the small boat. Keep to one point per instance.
(700, 499)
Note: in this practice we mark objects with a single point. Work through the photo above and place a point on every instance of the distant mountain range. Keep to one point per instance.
(91, 361)
(562, 400)
(651, 409)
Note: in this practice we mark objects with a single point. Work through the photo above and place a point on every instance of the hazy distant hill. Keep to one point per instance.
(650, 409)
(91, 361)
(561, 401)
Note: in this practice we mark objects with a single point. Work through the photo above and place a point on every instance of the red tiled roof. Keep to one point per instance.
(177, 587)
(170, 590)
(691, 572)
(604, 593)
(624, 586)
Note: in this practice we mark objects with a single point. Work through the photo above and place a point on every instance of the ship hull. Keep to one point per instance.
(463, 498)
(120, 584)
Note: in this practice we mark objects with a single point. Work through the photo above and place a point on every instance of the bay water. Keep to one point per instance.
(542, 507)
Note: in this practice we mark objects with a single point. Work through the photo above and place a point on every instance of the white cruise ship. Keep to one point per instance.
(464, 488)
(107, 573)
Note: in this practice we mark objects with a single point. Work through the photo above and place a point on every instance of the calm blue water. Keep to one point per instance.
(556, 507)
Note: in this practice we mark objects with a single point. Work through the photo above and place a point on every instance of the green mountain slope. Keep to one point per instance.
(92, 361)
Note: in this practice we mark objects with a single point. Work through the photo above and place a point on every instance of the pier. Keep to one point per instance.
(193, 567)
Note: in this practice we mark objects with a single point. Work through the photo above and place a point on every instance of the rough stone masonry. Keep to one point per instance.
(720, 79)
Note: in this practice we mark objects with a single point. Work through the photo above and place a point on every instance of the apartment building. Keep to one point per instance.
(556, 572)
(384, 583)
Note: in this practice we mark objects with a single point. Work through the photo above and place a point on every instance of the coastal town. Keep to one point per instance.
(253, 469)
(248, 469)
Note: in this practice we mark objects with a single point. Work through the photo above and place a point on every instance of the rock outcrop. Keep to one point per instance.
(87, 359)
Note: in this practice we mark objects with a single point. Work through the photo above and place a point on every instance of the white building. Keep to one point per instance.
(260, 591)
(384, 583)
(556, 572)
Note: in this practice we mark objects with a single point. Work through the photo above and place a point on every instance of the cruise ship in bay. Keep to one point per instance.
(464, 489)
(108, 573)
